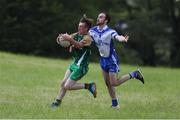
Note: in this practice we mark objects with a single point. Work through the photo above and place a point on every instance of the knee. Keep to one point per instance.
(67, 87)
(113, 83)
(110, 84)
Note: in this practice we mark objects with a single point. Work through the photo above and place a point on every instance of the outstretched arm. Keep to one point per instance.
(122, 38)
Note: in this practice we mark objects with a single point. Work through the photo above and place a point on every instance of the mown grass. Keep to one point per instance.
(29, 84)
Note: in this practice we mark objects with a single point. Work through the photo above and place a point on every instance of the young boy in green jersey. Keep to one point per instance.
(80, 50)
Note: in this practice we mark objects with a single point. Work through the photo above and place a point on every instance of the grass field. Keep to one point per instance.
(29, 84)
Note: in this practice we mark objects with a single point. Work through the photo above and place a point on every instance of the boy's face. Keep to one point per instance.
(101, 19)
(82, 28)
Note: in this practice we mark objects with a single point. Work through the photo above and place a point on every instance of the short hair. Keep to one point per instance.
(87, 21)
(107, 17)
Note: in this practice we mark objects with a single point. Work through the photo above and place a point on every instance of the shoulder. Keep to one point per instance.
(86, 40)
(93, 29)
(87, 37)
(110, 30)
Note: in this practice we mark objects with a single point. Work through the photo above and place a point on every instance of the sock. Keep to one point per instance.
(59, 101)
(86, 86)
(114, 102)
(132, 74)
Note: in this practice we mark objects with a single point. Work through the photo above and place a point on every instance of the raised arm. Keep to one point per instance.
(122, 38)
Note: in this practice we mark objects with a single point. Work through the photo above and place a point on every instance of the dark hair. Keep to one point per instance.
(108, 18)
(87, 21)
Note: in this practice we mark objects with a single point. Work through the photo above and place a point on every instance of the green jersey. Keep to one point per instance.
(81, 55)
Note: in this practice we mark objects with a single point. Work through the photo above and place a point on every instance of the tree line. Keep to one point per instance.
(31, 27)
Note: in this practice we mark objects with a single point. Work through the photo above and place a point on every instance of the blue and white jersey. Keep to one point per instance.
(103, 40)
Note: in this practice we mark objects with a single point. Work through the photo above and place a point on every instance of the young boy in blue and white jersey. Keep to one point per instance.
(103, 37)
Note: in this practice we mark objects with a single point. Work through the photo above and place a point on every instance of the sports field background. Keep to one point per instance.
(29, 84)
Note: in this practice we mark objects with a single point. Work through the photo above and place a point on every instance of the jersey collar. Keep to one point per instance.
(104, 28)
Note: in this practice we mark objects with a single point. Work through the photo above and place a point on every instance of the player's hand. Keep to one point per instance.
(126, 38)
(67, 37)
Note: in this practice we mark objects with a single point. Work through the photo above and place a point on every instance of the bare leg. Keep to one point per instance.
(111, 89)
(73, 85)
(62, 91)
(118, 81)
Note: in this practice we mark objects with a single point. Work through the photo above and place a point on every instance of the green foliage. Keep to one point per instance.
(31, 27)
